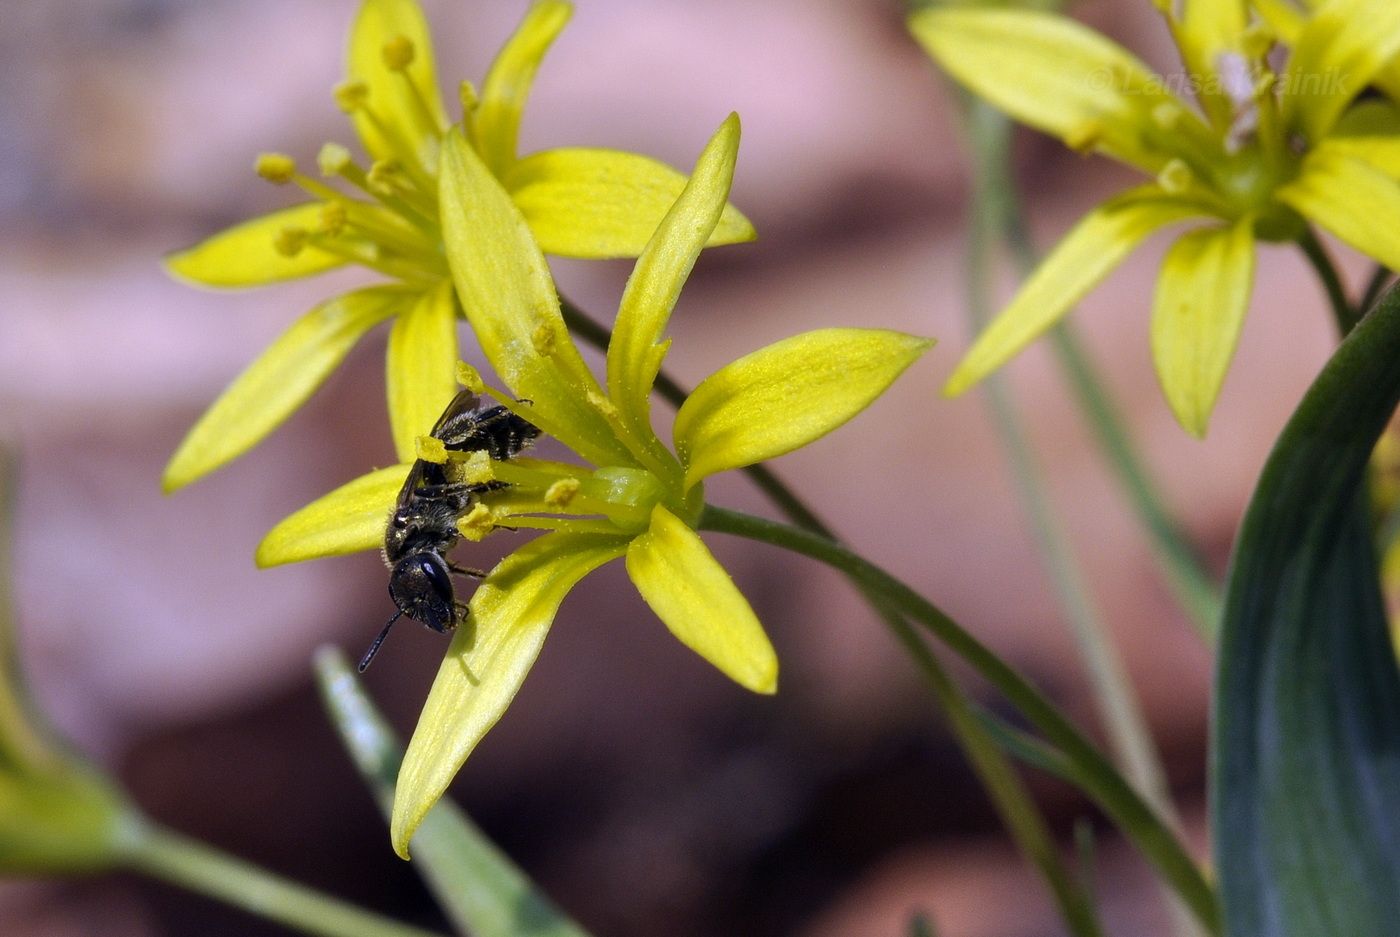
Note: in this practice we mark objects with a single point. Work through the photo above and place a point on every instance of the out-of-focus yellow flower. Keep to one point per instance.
(578, 202)
(641, 499)
(1261, 154)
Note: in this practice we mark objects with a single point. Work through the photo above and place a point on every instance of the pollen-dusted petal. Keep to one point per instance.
(638, 345)
(603, 203)
(1356, 202)
(421, 366)
(1202, 294)
(348, 520)
(280, 380)
(1060, 77)
(507, 295)
(693, 595)
(508, 81)
(782, 397)
(488, 660)
(407, 106)
(247, 255)
(1343, 46)
(1096, 245)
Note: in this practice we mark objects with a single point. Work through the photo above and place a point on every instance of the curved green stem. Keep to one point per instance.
(1100, 780)
(1343, 313)
(182, 861)
(1374, 286)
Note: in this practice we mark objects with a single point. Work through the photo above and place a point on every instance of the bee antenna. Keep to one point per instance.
(374, 648)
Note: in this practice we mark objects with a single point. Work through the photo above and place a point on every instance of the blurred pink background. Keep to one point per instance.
(648, 794)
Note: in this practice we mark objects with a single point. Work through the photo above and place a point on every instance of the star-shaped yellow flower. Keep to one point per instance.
(578, 202)
(641, 499)
(1260, 155)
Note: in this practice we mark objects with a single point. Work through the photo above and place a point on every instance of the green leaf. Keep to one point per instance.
(487, 662)
(638, 344)
(1306, 766)
(280, 380)
(421, 367)
(595, 203)
(480, 889)
(509, 299)
(508, 81)
(783, 397)
(246, 254)
(347, 520)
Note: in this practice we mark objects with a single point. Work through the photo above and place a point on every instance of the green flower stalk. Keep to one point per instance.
(640, 500)
(577, 202)
(1262, 154)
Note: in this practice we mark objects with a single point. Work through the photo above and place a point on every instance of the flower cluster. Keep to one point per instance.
(1263, 153)
(578, 202)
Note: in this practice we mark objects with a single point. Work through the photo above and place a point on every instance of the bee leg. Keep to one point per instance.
(465, 571)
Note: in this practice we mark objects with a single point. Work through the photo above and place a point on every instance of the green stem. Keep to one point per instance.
(182, 861)
(1374, 287)
(1343, 313)
(1102, 782)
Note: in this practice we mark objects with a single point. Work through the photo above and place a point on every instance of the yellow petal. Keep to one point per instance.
(347, 520)
(1285, 19)
(603, 203)
(488, 660)
(786, 395)
(406, 117)
(1342, 47)
(1202, 294)
(280, 380)
(509, 299)
(1380, 151)
(1086, 255)
(687, 588)
(1356, 202)
(507, 84)
(421, 367)
(1054, 74)
(638, 346)
(246, 255)
(1207, 29)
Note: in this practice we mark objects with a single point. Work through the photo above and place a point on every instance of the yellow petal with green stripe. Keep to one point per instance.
(508, 82)
(1342, 47)
(693, 595)
(596, 204)
(1353, 200)
(348, 520)
(246, 254)
(421, 367)
(1202, 295)
(1086, 255)
(280, 380)
(638, 343)
(487, 662)
(1061, 77)
(788, 394)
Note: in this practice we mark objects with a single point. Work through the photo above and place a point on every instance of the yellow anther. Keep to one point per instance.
(290, 240)
(474, 468)
(603, 405)
(1176, 177)
(542, 338)
(430, 449)
(469, 378)
(1258, 41)
(350, 96)
(398, 53)
(1167, 116)
(276, 168)
(476, 523)
(1085, 137)
(466, 93)
(562, 492)
(384, 177)
(334, 159)
(332, 220)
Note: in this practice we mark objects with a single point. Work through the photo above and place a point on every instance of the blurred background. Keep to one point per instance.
(643, 790)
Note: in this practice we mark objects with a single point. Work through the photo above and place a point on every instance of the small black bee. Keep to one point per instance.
(424, 524)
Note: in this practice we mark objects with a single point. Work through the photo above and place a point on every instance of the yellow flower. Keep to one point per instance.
(1261, 154)
(641, 500)
(589, 203)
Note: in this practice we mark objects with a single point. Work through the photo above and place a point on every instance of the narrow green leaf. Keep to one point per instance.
(480, 889)
(603, 203)
(347, 520)
(247, 255)
(280, 380)
(1306, 776)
